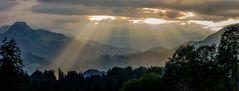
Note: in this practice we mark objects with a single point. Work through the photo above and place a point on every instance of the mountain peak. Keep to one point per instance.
(19, 25)
(20, 30)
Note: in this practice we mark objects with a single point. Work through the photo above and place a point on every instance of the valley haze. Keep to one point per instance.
(43, 49)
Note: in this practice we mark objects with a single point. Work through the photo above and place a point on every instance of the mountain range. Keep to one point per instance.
(41, 47)
(159, 55)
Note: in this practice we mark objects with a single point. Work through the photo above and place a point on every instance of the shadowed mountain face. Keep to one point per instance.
(4, 29)
(214, 38)
(147, 58)
(38, 42)
(40, 47)
(37, 46)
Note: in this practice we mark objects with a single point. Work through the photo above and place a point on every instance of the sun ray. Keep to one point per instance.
(70, 53)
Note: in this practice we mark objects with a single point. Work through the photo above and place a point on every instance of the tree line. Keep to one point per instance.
(203, 68)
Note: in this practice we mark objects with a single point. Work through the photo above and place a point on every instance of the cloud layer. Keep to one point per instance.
(7, 4)
(205, 10)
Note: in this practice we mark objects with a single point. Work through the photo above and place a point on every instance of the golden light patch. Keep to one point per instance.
(153, 10)
(154, 21)
(101, 17)
(135, 21)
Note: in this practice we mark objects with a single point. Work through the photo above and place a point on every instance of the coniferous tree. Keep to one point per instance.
(12, 77)
(60, 74)
(228, 58)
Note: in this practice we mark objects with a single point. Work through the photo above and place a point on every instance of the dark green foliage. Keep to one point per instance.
(43, 81)
(148, 82)
(12, 77)
(204, 68)
(228, 57)
(11, 61)
(193, 69)
(177, 69)
(157, 70)
(74, 81)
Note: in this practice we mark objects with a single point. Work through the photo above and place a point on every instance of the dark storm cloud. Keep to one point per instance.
(216, 9)
(7, 4)
(76, 9)
(68, 9)
(112, 3)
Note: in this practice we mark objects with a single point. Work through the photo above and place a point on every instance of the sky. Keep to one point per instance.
(101, 20)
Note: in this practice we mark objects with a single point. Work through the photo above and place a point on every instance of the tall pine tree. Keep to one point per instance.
(12, 75)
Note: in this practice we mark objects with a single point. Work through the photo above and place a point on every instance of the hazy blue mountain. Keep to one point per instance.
(37, 46)
(33, 62)
(4, 29)
(40, 47)
(106, 49)
(93, 72)
(37, 42)
(156, 56)
(159, 49)
(213, 38)
(147, 58)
